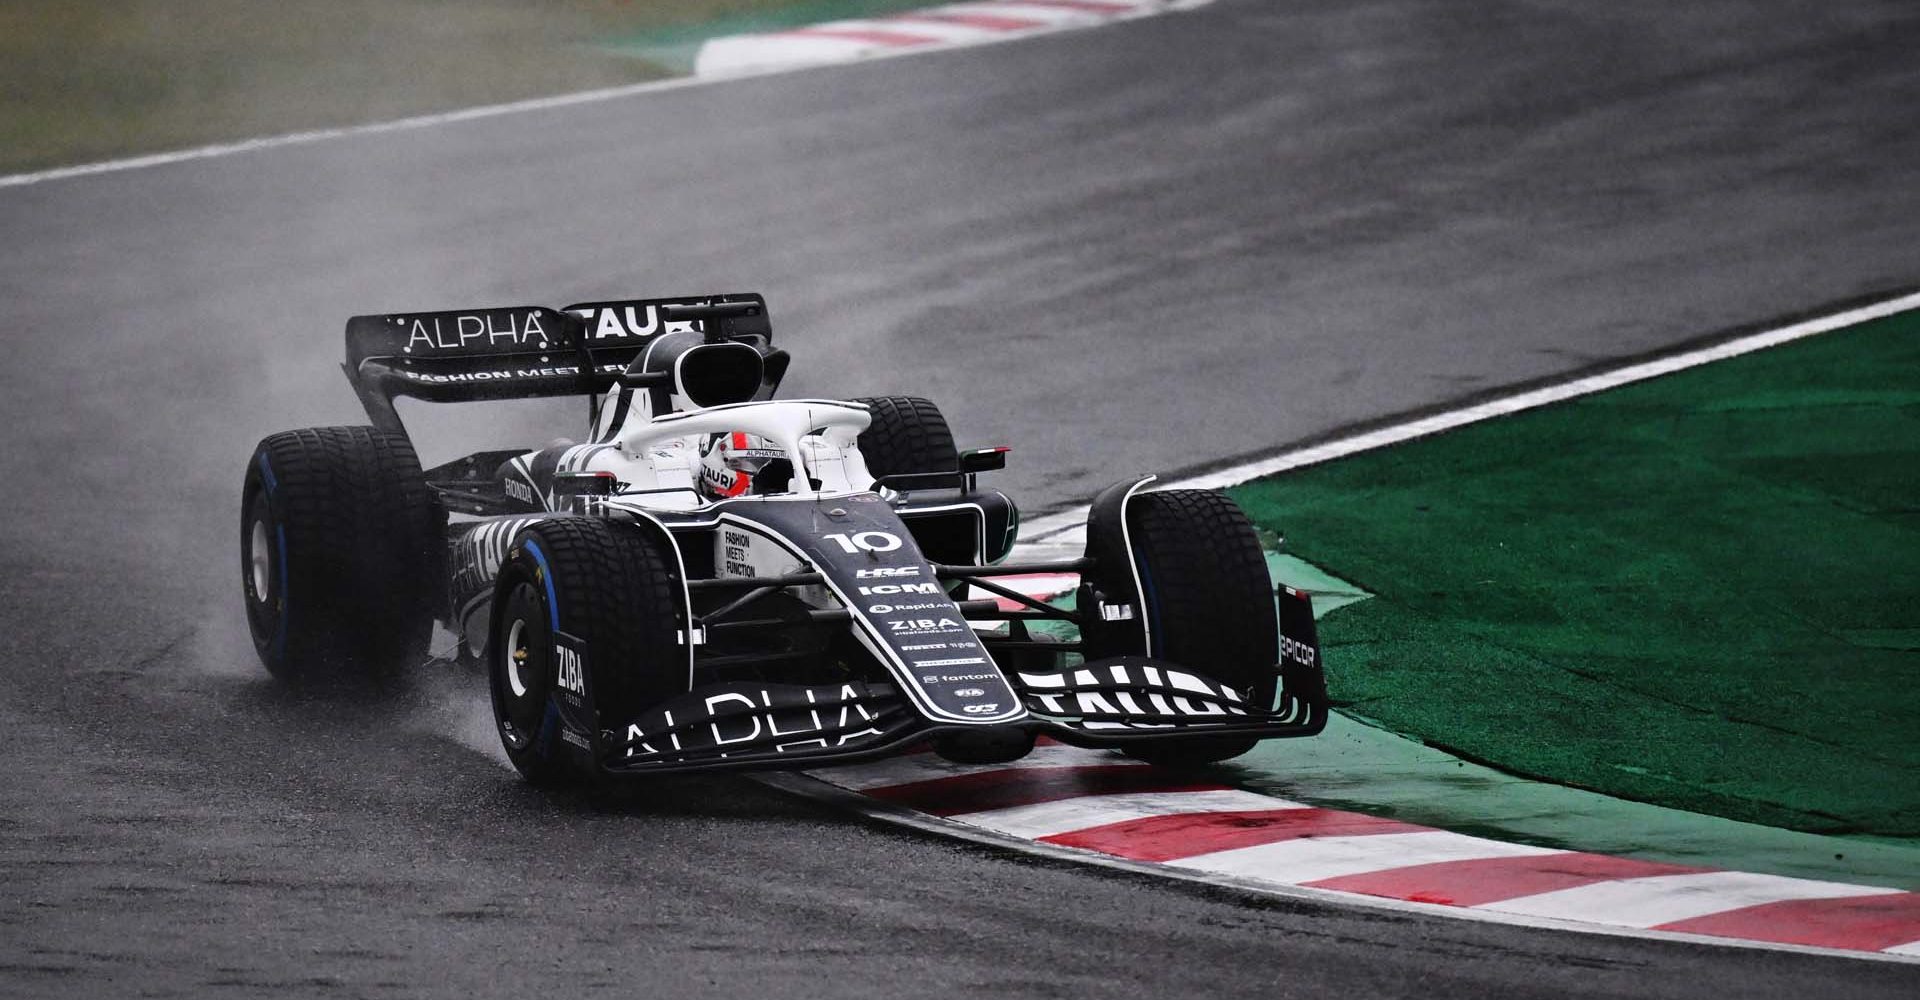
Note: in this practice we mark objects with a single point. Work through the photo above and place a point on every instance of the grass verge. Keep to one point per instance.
(1701, 591)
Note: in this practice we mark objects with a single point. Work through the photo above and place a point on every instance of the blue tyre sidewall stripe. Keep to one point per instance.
(546, 578)
(550, 721)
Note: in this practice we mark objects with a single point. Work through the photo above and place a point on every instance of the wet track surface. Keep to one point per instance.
(1139, 248)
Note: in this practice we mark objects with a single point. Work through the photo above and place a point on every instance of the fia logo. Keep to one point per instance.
(572, 676)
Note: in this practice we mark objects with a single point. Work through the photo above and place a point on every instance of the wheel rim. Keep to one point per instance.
(515, 652)
(260, 562)
(520, 667)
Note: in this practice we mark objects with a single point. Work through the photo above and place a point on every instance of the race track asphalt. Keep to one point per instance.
(1144, 247)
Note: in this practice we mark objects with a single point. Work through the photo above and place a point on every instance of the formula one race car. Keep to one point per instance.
(715, 578)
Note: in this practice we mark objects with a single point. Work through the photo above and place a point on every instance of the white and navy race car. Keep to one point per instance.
(717, 578)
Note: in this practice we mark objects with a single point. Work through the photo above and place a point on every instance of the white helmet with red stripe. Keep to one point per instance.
(737, 464)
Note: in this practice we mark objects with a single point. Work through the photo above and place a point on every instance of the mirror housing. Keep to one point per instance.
(978, 460)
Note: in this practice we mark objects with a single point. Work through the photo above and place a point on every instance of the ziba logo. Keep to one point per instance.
(921, 625)
(572, 676)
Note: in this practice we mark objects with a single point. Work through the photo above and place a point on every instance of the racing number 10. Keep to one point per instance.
(866, 541)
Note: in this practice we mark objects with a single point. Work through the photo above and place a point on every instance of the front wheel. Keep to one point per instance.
(586, 635)
(908, 434)
(1208, 603)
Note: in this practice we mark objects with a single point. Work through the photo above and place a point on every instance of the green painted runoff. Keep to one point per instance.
(1701, 591)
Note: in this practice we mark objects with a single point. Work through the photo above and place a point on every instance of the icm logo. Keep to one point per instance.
(984, 708)
(571, 676)
(969, 692)
(870, 574)
(900, 588)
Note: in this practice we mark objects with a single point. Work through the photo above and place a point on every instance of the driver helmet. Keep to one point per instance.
(739, 464)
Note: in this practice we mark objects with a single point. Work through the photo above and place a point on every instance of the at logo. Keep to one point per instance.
(985, 708)
(900, 588)
(571, 676)
(870, 574)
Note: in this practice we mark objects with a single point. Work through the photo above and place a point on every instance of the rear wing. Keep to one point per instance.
(516, 352)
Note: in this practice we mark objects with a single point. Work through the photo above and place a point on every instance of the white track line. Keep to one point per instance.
(1051, 528)
(350, 131)
(310, 136)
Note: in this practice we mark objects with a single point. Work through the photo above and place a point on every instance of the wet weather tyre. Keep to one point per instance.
(908, 434)
(615, 591)
(341, 554)
(1208, 602)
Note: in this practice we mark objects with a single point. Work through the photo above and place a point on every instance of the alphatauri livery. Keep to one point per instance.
(712, 577)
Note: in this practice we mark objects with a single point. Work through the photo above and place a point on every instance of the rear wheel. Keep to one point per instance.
(613, 591)
(1208, 603)
(908, 434)
(340, 553)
